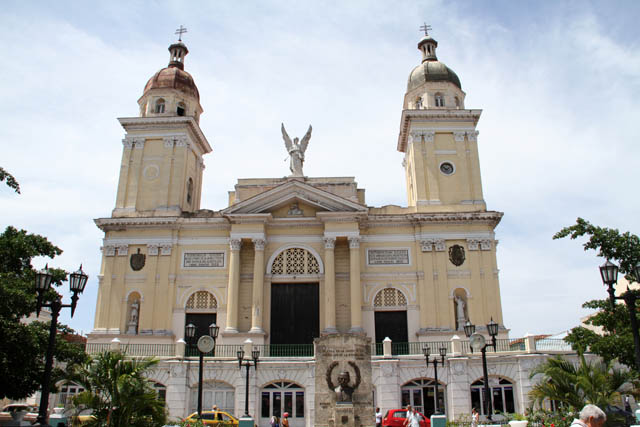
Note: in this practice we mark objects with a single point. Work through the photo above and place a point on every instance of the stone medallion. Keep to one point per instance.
(456, 255)
(137, 261)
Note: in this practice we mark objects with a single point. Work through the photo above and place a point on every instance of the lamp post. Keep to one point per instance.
(609, 273)
(255, 354)
(478, 342)
(77, 282)
(206, 343)
(427, 353)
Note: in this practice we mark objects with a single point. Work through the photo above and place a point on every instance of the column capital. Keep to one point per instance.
(472, 135)
(354, 242)
(258, 244)
(235, 244)
(329, 242)
(123, 249)
(152, 249)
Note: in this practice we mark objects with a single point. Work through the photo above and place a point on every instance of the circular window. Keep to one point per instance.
(447, 168)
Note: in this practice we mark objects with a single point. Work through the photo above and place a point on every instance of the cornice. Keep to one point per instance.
(150, 123)
(435, 115)
(110, 224)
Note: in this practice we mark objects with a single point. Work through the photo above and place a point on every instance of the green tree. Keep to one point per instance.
(10, 180)
(24, 346)
(118, 391)
(575, 385)
(616, 340)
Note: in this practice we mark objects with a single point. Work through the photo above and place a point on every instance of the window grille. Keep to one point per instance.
(295, 261)
(202, 299)
(389, 297)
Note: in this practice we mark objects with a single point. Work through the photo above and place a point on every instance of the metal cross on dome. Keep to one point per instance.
(180, 31)
(426, 28)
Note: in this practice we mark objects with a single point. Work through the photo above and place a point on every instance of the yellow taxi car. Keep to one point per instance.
(214, 418)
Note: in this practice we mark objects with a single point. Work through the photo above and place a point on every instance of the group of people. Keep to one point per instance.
(590, 416)
(277, 422)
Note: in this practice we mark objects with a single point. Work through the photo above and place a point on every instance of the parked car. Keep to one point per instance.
(397, 417)
(31, 411)
(214, 418)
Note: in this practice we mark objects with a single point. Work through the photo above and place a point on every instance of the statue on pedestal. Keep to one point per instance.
(296, 150)
(461, 318)
(344, 390)
(133, 318)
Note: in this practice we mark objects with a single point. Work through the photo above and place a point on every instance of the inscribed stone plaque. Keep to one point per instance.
(388, 256)
(203, 260)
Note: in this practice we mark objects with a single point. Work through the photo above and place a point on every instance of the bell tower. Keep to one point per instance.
(161, 168)
(439, 139)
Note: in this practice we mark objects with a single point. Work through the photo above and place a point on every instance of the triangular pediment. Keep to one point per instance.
(313, 199)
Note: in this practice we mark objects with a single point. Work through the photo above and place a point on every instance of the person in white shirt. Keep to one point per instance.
(378, 418)
(413, 418)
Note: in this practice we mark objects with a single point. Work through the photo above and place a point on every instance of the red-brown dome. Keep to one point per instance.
(173, 78)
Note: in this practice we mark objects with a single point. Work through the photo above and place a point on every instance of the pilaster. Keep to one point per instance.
(355, 286)
(330, 285)
(233, 286)
(258, 286)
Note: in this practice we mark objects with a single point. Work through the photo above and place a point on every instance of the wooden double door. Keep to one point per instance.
(295, 313)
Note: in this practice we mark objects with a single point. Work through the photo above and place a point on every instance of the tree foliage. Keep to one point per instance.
(24, 346)
(118, 391)
(575, 385)
(10, 180)
(616, 339)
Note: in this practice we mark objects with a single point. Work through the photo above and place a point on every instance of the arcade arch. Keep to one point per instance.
(421, 394)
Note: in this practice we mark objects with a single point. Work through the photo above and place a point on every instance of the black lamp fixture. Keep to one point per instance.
(255, 355)
(427, 352)
(609, 274)
(43, 280)
(478, 342)
(205, 344)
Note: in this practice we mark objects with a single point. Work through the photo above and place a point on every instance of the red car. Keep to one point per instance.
(397, 417)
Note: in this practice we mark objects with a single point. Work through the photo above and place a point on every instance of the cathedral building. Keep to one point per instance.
(290, 259)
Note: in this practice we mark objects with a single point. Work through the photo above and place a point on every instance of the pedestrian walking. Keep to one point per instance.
(475, 417)
(590, 416)
(378, 418)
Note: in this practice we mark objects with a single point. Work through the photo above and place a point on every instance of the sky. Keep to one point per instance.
(558, 83)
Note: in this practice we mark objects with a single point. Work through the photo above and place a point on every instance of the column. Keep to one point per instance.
(329, 286)
(356, 290)
(258, 286)
(233, 286)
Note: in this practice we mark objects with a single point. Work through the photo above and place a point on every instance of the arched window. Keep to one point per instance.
(189, 191)
(280, 397)
(216, 393)
(457, 101)
(180, 110)
(439, 100)
(159, 106)
(501, 390)
(295, 261)
(161, 392)
(390, 320)
(200, 311)
(421, 394)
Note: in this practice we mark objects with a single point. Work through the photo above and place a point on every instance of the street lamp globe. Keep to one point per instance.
(190, 330)
(426, 351)
(43, 279)
(213, 330)
(609, 273)
(492, 327)
(77, 281)
(255, 354)
(443, 351)
(469, 329)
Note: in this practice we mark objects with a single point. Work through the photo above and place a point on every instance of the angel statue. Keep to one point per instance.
(296, 151)
(344, 390)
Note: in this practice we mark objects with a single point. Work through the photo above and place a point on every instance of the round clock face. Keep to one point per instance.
(205, 344)
(446, 168)
(477, 341)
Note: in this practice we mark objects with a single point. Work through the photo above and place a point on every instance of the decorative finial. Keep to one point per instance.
(426, 28)
(180, 31)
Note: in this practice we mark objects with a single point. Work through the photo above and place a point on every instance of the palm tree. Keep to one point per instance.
(575, 385)
(118, 391)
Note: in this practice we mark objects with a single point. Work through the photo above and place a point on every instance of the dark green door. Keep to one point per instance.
(392, 324)
(295, 313)
(202, 322)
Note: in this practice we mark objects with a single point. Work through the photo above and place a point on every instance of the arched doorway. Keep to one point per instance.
(216, 393)
(421, 394)
(200, 310)
(501, 390)
(295, 297)
(280, 397)
(390, 318)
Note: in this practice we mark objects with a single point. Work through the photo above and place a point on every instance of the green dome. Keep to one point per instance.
(432, 71)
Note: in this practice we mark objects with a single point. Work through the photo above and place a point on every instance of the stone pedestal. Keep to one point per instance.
(336, 354)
